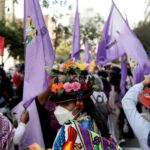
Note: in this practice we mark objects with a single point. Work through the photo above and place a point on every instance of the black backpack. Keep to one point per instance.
(101, 106)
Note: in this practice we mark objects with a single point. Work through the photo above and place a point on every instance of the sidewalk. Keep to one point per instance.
(131, 144)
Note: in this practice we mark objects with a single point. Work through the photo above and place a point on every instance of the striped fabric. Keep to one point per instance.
(75, 137)
(6, 133)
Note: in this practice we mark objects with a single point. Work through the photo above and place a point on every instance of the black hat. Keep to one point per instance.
(71, 82)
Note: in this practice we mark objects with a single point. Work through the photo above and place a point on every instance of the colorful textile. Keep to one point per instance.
(87, 122)
(73, 136)
(6, 134)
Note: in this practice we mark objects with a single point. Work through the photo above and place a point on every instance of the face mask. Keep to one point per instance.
(62, 115)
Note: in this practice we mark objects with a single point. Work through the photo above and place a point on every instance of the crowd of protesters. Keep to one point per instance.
(106, 100)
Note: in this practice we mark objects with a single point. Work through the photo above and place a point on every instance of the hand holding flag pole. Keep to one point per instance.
(38, 54)
(42, 97)
(28, 103)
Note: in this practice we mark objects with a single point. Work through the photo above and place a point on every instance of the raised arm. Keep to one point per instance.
(43, 97)
(140, 126)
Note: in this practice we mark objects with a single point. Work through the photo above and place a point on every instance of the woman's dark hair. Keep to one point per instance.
(98, 117)
(2, 73)
(129, 72)
(103, 75)
(115, 78)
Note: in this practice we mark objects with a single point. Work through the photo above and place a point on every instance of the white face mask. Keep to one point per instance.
(62, 114)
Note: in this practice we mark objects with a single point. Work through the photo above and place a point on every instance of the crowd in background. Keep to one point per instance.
(11, 85)
(107, 99)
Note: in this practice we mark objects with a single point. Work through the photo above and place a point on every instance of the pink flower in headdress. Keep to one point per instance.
(61, 68)
(67, 86)
(76, 86)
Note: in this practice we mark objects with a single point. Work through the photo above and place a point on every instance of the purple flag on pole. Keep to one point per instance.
(76, 36)
(120, 39)
(87, 55)
(28, 103)
(39, 53)
(138, 74)
(123, 74)
(101, 53)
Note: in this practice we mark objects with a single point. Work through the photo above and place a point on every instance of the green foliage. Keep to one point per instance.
(62, 42)
(91, 25)
(45, 3)
(15, 1)
(59, 8)
(13, 33)
(90, 29)
(142, 32)
(64, 48)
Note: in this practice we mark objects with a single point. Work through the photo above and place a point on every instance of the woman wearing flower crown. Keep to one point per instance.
(83, 127)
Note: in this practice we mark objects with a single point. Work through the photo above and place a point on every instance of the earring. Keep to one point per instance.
(80, 104)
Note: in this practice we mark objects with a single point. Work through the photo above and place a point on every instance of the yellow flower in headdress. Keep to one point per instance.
(92, 66)
(81, 66)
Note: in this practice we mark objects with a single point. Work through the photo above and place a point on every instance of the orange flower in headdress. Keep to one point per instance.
(69, 64)
(60, 85)
(54, 88)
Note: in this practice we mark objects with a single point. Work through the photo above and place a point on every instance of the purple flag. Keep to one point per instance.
(138, 74)
(87, 55)
(123, 74)
(120, 39)
(39, 53)
(28, 103)
(101, 53)
(76, 37)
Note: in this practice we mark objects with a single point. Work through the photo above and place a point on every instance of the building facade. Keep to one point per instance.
(2, 8)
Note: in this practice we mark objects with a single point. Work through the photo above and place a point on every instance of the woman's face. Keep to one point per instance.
(66, 111)
(71, 106)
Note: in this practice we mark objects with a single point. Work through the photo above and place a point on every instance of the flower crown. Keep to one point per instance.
(71, 77)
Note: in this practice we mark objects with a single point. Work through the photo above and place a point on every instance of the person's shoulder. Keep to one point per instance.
(5, 124)
(4, 120)
(2, 117)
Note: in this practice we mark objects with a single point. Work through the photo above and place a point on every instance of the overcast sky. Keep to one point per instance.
(134, 9)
